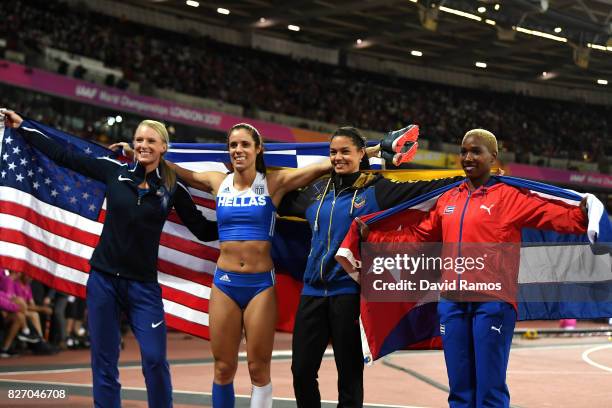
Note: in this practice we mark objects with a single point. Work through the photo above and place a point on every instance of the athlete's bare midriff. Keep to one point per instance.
(245, 256)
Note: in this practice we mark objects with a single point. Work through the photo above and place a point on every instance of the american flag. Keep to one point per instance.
(51, 218)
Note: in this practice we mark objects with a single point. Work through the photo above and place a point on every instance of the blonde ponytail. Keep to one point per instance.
(168, 175)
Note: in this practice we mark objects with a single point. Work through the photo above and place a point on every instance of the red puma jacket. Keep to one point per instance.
(483, 223)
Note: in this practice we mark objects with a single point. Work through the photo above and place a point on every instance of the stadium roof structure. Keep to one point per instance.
(568, 42)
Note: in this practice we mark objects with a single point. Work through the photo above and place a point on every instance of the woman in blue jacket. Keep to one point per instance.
(123, 276)
(329, 304)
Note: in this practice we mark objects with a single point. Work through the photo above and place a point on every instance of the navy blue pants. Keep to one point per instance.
(477, 337)
(107, 297)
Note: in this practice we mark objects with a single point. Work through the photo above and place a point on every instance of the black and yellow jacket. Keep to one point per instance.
(330, 205)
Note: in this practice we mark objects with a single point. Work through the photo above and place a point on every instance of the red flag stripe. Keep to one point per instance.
(204, 202)
(58, 228)
(102, 215)
(78, 289)
(170, 268)
(190, 247)
(194, 289)
(185, 298)
(56, 255)
(186, 326)
(63, 285)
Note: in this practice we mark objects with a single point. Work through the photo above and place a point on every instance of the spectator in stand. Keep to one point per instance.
(305, 88)
(43, 296)
(13, 311)
(23, 291)
(69, 317)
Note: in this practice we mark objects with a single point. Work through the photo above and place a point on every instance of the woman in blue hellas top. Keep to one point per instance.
(242, 295)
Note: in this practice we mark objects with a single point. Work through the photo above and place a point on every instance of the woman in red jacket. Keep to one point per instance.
(481, 219)
(477, 325)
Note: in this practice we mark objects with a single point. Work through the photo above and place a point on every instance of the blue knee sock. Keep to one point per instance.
(223, 395)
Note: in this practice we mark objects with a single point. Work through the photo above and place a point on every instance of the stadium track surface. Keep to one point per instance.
(560, 371)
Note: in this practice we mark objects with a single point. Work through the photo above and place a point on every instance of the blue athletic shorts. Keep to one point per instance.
(242, 287)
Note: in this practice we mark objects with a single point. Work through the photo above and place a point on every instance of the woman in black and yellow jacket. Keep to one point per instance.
(329, 304)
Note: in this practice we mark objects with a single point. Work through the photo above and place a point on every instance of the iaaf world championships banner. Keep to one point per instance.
(66, 87)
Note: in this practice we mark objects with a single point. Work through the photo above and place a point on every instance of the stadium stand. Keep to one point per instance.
(258, 80)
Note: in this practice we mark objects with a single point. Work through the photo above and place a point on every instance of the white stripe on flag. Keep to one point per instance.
(203, 194)
(184, 285)
(20, 252)
(186, 260)
(185, 312)
(304, 160)
(552, 197)
(563, 263)
(204, 166)
(283, 152)
(48, 238)
(183, 232)
(426, 205)
(209, 213)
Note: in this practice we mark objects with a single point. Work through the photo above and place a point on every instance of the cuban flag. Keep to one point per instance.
(560, 275)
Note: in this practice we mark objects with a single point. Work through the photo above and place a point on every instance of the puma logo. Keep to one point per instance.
(488, 209)
(497, 329)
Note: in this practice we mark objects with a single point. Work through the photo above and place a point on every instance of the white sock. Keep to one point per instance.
(25, 330)
(261, 397)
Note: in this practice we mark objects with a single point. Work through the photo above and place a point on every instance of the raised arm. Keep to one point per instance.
(287, 180)
(208, 181)
(531, 210)
(390, 193)
(373, 151)
(95, 167)
(194, 220)
(283, 181)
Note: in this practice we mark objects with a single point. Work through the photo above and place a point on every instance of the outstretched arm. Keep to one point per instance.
(287, 180)
(390, 193)
(291, 179)
(203, 228)
(208, 181)
(95, 167)
(373, 151)
(531, 210)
